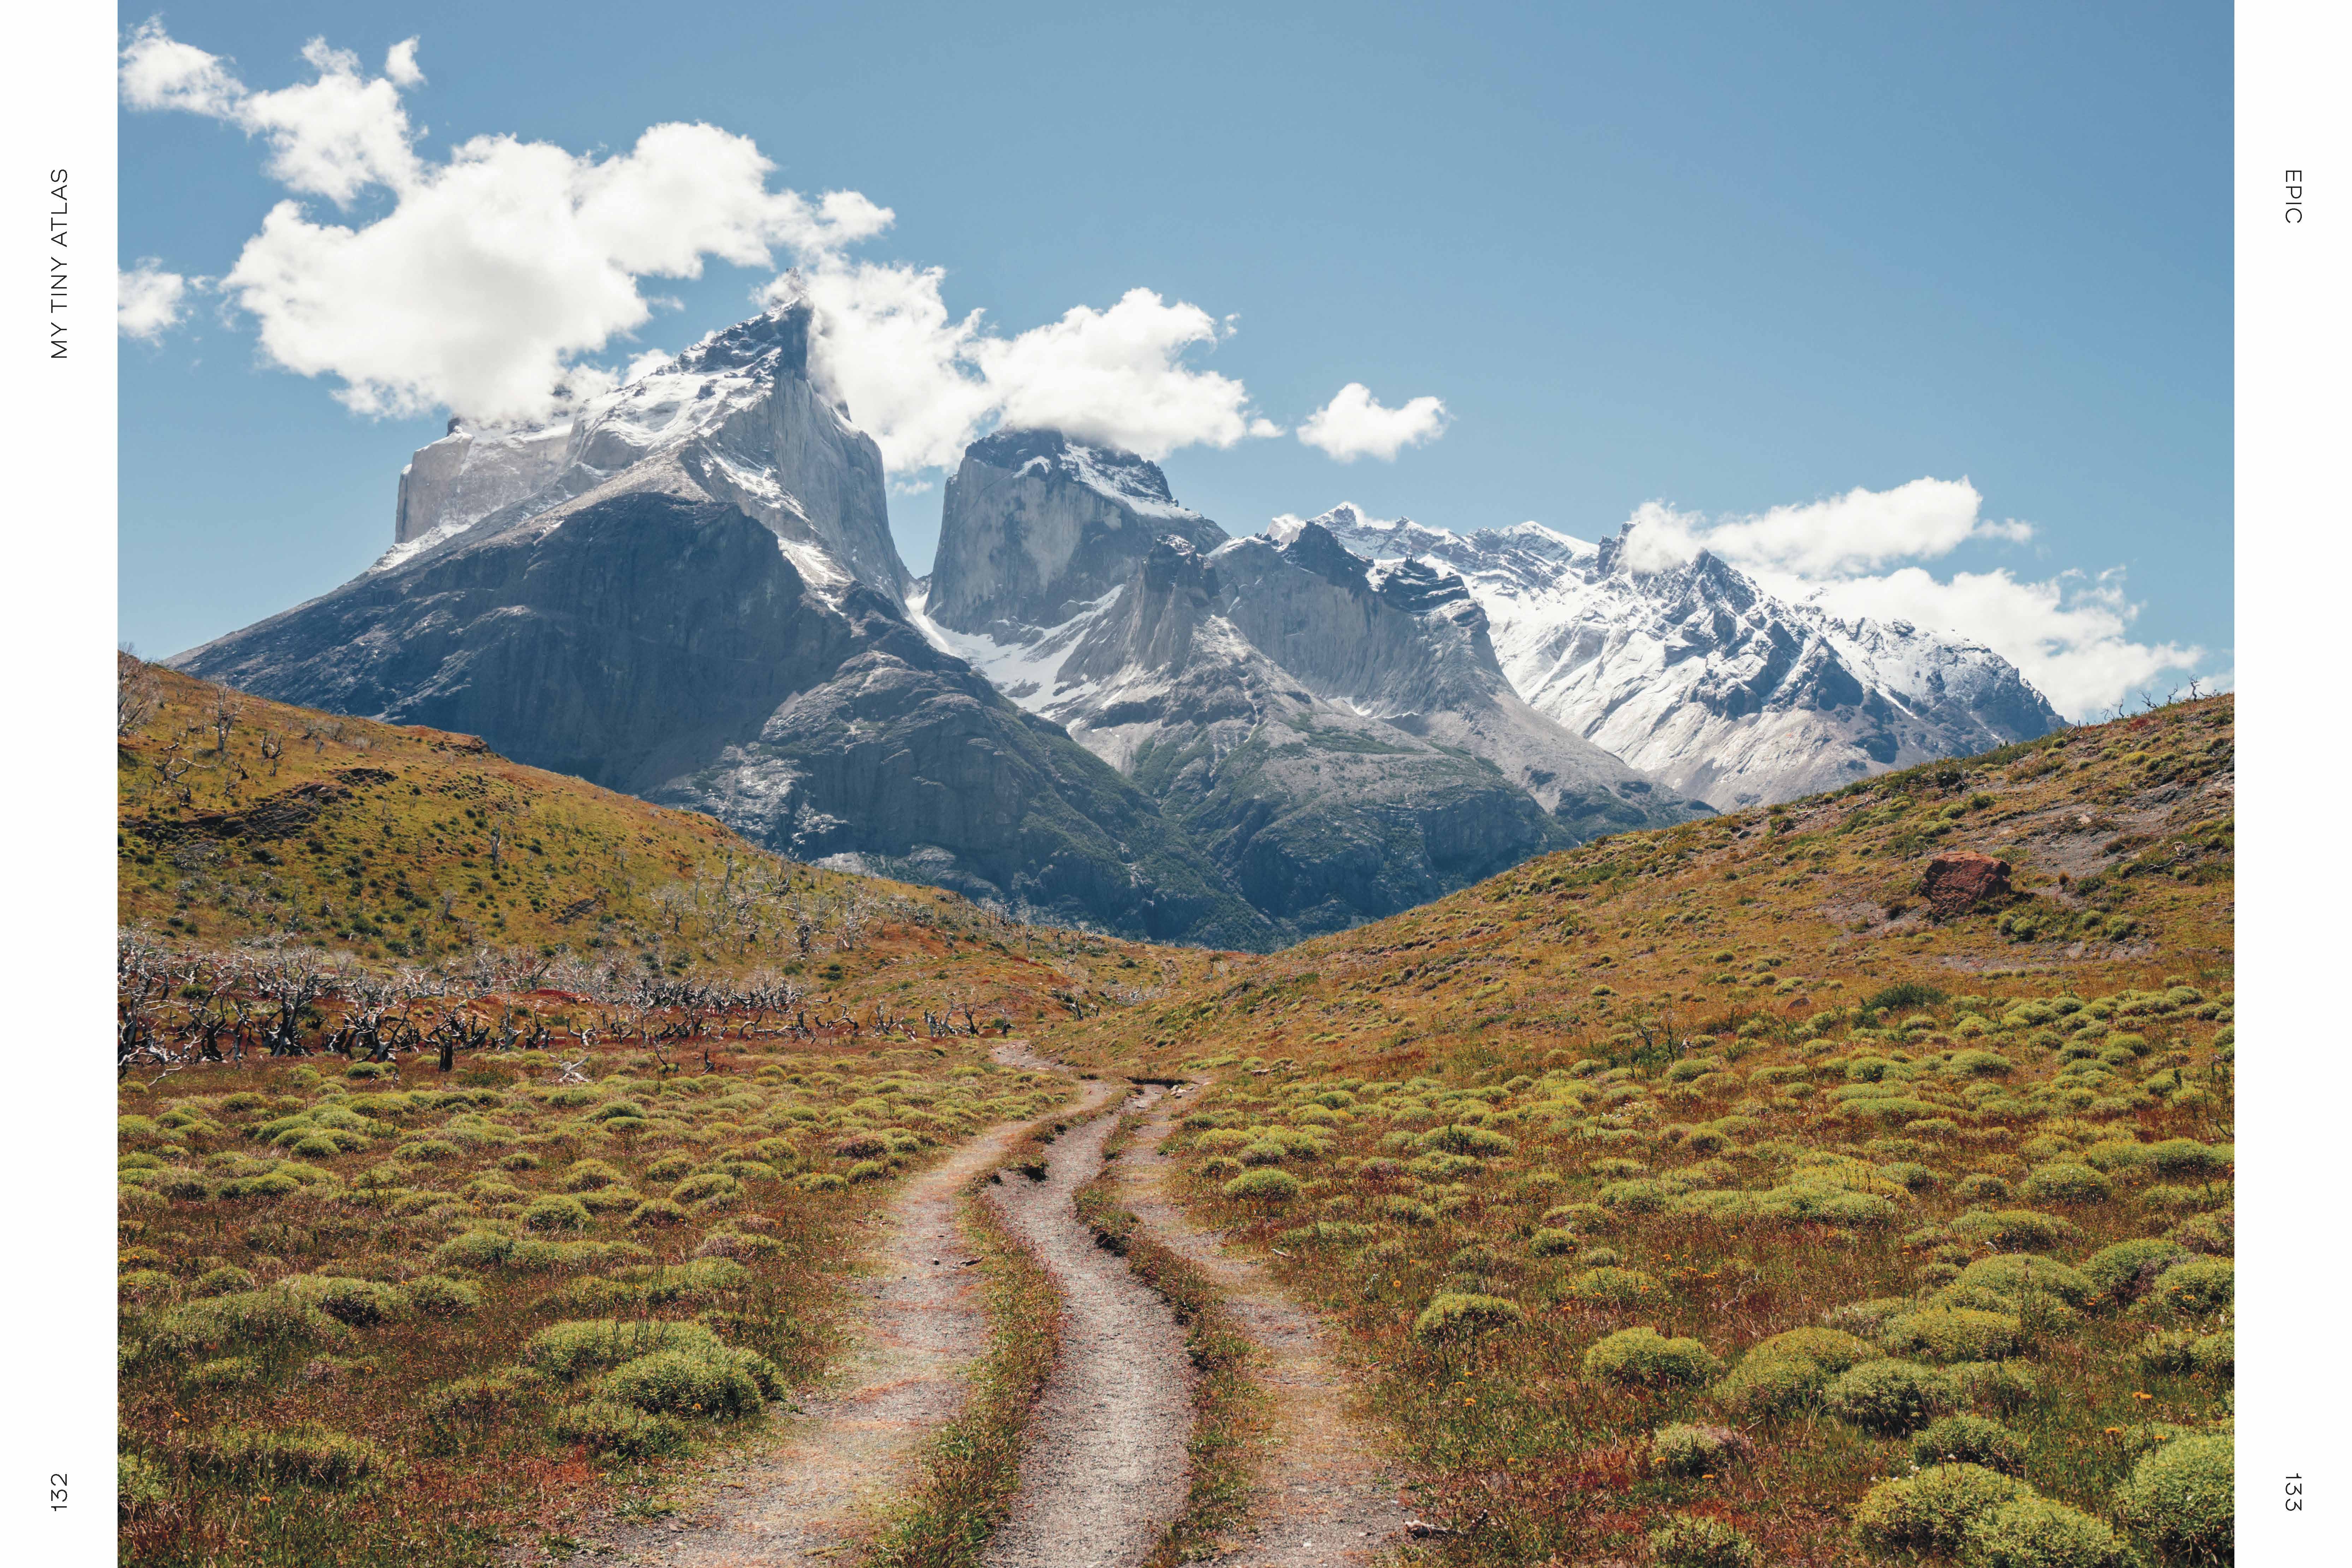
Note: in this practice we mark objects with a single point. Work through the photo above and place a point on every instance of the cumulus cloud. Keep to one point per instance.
(2071, 635)
(495, 276)
(400, 64)
(1353, 424)
(1857, 555)
(148, 301)
(925, 383)
(496, 270)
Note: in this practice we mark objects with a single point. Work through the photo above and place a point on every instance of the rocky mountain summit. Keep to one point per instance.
(1100, 707)
(1697, 675)
(1340, 740)
(699, 602)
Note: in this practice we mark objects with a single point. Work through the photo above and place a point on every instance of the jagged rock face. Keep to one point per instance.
(1340, 741)
(1697, 676)
(735, 418)
(1035, 527)
(666, 645)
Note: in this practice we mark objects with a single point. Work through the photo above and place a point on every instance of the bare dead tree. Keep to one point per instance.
(225, 712)
(137, 692)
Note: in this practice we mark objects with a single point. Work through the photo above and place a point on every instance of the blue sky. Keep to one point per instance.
(1727, 257)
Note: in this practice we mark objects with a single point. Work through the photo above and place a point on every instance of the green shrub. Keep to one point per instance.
(1698, 1451)
(438, 1296)
(555, 1211)
(143, 1284)
(227, 1372)
(267, 1184)
(1829, 1349)
(1770, 1385)
(2014, 1230)
(1474, 1141)
(710, 1184)
(1696, 1541)
(2019, 1277)
(1952, 1334)
(1645, 1359)
(474, 1249)
(1969, 1440)
(605, 1428)
(569, 1349)
(2215, 1355)
(587, 1175)
(863, 1170)
(2180, 1500)
(669, 1168)
(1548, 1242)
(1890, 1397)
(427, 1151)
(2066, 1183)
(306, 1453)
(2186, 1156)
(2037, 1532)
(683, 1383)
(1612, 1287)
(1982, 1064)
(2215, 1235)
(1932, 1511)
(2195, 1288)
(238, 1318)
(808, 1181)
(359, 1302)
(1914, 1177)
(2124, 1272)
(139, 1486)
(1454, 1317)
(1980, 1187)
(1266, 1186)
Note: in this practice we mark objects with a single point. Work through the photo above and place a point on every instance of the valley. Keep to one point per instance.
(1720, 1191)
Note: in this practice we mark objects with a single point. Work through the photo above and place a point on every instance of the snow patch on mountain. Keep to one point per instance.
(1690, 670)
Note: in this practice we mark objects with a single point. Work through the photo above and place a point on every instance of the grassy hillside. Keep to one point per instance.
(1893, 1185)
(240, 819)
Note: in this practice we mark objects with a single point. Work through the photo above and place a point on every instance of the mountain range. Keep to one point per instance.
(1100, 707)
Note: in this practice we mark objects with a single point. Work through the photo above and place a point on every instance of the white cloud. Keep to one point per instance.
(2071, 635)
(334, 136)
(1856, 555)
(400, 64)
(498, 275)
(1353, 424)
(148, 301)
(1862, 529)
(924, 382)
(159, 72)
(1117, 376)
(496, 270)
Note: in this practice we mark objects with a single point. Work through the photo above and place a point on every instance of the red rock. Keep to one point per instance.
(1957, 882)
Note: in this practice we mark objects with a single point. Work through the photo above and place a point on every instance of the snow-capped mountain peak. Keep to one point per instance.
(733, 418)
(1685, 666)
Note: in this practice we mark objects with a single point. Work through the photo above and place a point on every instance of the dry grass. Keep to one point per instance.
(1645, 1134)
(417, 1242)
(1228, 1405)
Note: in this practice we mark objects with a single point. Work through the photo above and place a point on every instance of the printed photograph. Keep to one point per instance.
(1068, 786)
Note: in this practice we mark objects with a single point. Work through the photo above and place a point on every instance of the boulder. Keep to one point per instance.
(1957, 882)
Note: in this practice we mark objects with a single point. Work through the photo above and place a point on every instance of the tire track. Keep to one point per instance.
(1323, 1492)
(1104, 1474)
(806, 1495)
